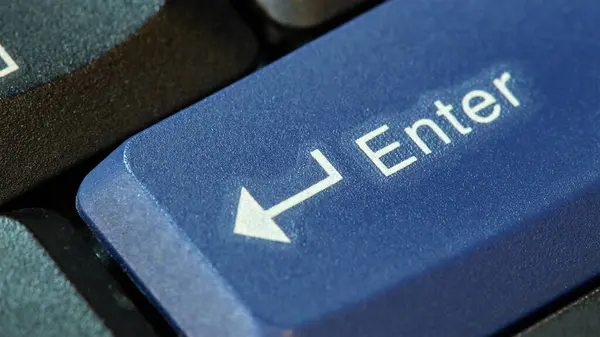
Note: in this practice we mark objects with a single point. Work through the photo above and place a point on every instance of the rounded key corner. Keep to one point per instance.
(297, 15)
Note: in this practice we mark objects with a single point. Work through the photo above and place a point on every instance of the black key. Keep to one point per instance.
(188, 49)
(580, 319)
(35, 297)
(57, 286)
(50, 39)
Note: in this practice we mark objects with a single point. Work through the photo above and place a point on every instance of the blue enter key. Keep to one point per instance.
(431, 168)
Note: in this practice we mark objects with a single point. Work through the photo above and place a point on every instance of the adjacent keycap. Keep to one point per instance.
(429, 169)
(38, 50)
(580, 319)
(305, 13)
(75, 259)
(186, 50)
(35, 297)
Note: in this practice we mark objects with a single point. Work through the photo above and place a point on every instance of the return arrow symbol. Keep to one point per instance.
(255, 221)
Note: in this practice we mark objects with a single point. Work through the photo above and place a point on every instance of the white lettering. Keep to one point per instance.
(485, 100)
(481, 106)
(445, 111)
(500, 83)
(412, 133)
(376, 155)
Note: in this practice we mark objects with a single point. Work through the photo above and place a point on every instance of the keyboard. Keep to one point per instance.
(259, 168)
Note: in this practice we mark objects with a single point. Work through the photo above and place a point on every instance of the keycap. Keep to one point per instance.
(76, 261)
(97, 73)
(37, 50)
(428, 169)
(305, 14)
(579, 319)
(35, 297)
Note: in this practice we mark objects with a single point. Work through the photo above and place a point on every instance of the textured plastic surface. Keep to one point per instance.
(77, 266)
(461, 242)
(35, 297)
(187, 50)
(581, 319)
(78, 32)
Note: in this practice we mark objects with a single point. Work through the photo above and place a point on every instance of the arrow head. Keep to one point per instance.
(253, 220)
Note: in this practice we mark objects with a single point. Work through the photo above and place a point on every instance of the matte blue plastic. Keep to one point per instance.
(461, 242)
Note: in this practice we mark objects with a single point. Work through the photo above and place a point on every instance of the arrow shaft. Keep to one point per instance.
(333, 177)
